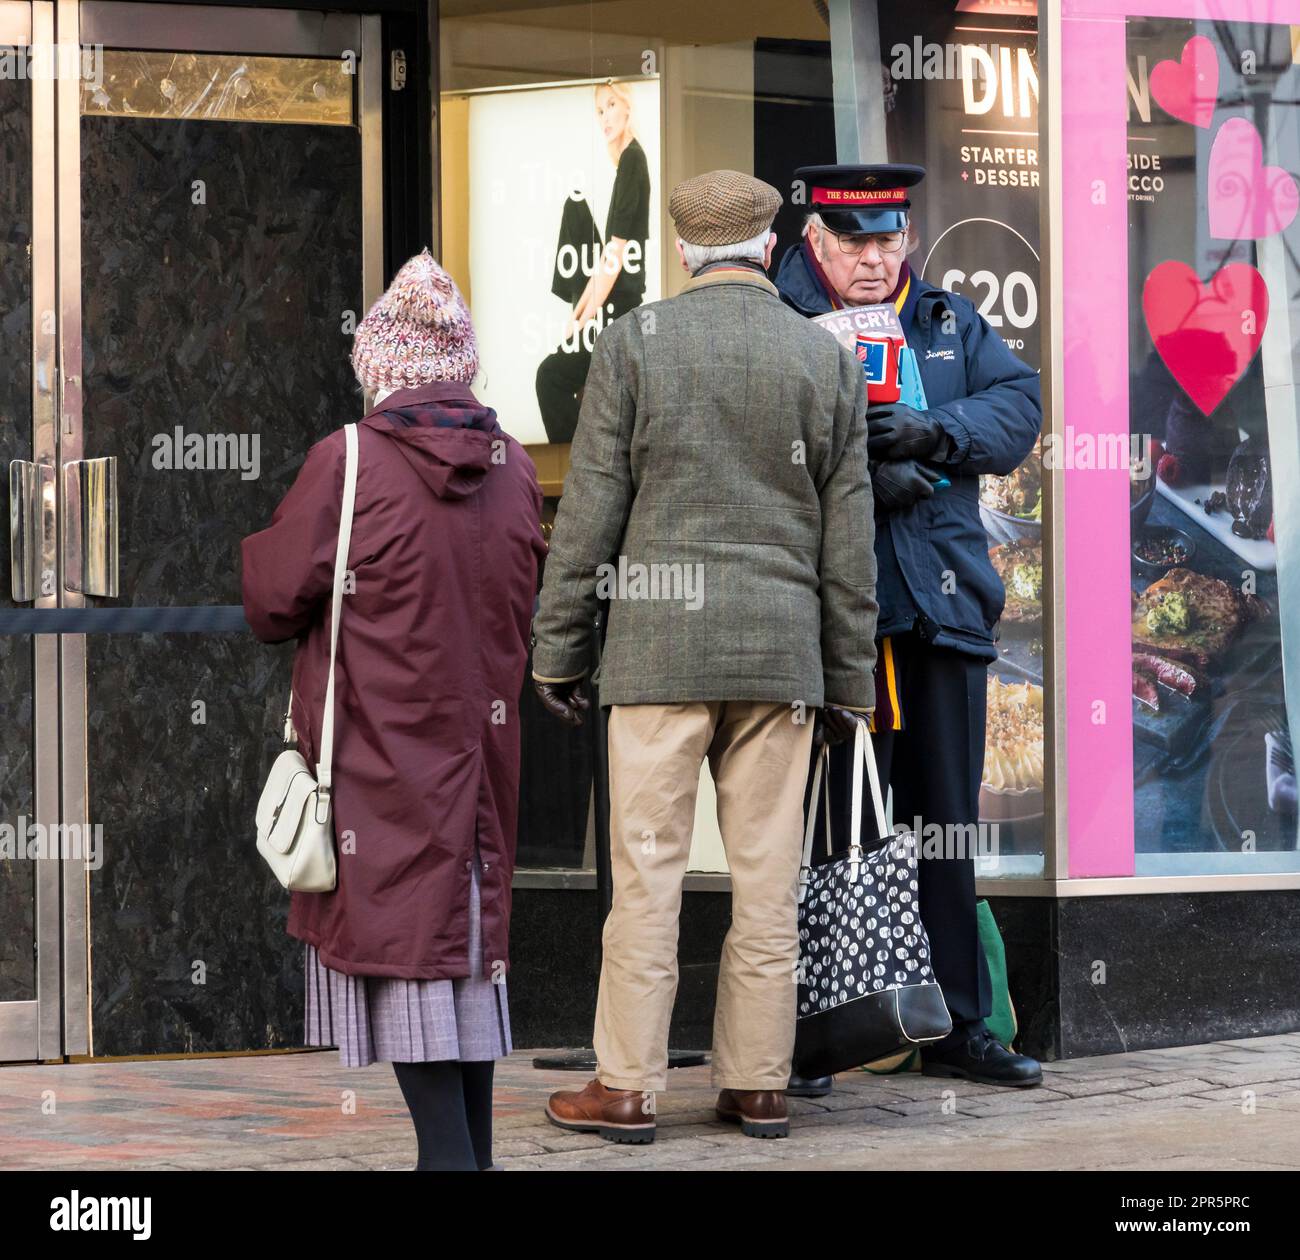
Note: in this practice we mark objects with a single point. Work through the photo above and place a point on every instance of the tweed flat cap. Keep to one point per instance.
(722, 207)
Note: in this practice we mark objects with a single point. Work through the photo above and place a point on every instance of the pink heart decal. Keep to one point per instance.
(1187, 89)
(1248, 200)
(1206, 334)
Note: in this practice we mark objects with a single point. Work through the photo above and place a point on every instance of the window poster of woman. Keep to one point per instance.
(563, 238)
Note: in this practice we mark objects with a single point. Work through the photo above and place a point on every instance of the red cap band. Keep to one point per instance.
(858, 196)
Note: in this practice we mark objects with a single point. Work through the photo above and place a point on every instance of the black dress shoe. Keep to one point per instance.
(809, 1087)
(984, 1059)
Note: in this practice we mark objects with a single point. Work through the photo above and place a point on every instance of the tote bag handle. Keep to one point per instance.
(863, 755)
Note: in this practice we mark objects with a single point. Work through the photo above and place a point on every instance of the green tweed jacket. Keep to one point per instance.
(718, 495)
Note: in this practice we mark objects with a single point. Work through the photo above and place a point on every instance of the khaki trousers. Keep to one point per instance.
(759, 755)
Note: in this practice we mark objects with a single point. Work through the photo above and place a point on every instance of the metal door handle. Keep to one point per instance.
(31, 524)
(90, 526)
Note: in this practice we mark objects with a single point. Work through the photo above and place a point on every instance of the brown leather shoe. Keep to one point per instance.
(761, 1112)
(618, 1115)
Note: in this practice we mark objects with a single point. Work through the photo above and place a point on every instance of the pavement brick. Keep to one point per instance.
(1086, 1086)
(1273, 1091)
(1241, 1077)
(1174, 1089)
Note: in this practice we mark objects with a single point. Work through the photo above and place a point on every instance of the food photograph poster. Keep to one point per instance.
(1213, 768)
(564, 195)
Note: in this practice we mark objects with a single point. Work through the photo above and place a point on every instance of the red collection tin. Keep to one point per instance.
(879, 358)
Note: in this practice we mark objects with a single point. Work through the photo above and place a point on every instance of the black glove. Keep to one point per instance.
(896, 431)
(566, 700)
(898, 483)
(835, 724)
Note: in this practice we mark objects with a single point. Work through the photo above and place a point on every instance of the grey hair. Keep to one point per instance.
(752, 250)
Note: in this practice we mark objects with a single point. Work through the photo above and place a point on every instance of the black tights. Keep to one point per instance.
(451, 1107)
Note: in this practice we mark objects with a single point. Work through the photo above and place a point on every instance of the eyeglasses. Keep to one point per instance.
(855, 243)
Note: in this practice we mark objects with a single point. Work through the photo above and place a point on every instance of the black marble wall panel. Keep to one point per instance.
(1176, 969)
(188, 948)
(554, 967)
(1179, 969)
(17, 878)
(555, 770)
(223, 317)
(706, 917)
(1028, 926)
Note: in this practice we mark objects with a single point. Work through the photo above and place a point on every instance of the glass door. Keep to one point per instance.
(220, 236)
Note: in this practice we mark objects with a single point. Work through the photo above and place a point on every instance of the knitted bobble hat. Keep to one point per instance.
(418, 331)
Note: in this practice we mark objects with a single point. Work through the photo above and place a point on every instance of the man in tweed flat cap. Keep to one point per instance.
(718, 494)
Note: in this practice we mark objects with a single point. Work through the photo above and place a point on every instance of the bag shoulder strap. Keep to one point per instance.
(325, 762)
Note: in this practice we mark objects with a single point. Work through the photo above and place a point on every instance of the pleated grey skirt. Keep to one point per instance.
(371, 1018)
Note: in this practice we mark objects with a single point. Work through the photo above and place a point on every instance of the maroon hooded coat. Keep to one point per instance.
(433, 642)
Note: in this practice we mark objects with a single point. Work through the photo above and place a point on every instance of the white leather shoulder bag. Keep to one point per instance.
(295, 818)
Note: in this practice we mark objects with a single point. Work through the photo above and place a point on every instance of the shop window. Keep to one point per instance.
(1182, 555)
(563, 128)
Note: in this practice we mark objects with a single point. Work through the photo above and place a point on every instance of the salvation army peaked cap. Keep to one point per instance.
(722, 207)
(853, 198)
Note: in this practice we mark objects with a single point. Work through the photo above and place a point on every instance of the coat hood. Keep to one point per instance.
(797, 285)
(443, 432)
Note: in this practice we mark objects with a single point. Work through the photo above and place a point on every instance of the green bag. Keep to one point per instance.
(1001, 1021)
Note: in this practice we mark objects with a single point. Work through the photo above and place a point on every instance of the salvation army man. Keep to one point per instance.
(939, 596)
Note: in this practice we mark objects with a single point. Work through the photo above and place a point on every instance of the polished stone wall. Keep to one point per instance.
(556, 763)
(1180, 968)
(555, 966)
(1102, 975)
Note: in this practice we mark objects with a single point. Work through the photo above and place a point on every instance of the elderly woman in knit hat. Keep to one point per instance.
(406, 958)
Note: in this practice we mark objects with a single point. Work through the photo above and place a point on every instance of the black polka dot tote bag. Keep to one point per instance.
(866, 987)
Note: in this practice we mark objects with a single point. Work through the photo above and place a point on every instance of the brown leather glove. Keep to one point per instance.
(835, 724)
(566, 700)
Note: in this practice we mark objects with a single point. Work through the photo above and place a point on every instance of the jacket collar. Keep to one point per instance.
(729, 275)
(430, 392)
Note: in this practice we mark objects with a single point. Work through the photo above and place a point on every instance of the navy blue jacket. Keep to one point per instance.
(933, 564)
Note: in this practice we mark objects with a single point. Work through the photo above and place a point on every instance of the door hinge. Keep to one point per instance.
(397, 77)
